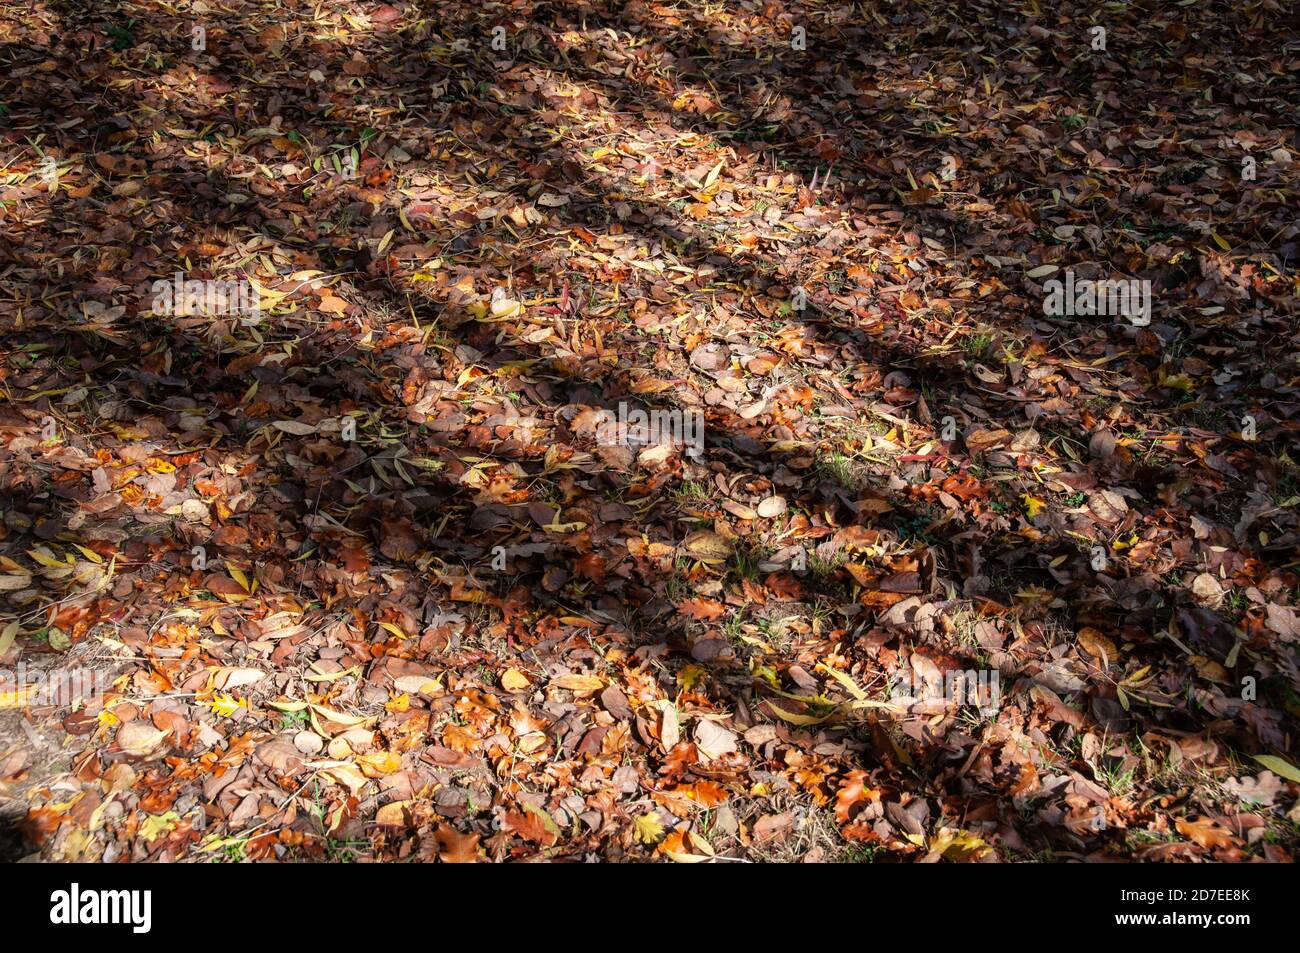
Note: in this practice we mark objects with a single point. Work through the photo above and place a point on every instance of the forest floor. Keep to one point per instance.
(360, 572)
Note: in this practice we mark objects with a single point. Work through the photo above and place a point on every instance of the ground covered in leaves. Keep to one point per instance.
(313, 647)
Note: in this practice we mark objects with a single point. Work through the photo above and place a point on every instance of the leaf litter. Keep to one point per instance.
(356, 573)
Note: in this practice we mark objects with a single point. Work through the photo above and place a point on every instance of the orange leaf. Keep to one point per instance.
(455, 847)
(852, 793)
(530, 826)
(332, 305)
(702, 609)
(1206, 832)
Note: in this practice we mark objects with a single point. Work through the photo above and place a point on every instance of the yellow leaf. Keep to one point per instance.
(378, 764)
(563, 527)
(394, 813)
(343, 773)
(578, 683)
(958, 845)
(794, 719)
(238, 576)
(157, 824)
(18, 699)
(469, 374)
(764, 673)
(400, 703)
(224, 704)
(266, 298)
(849, 684)
(1033, 505)
(513, 680)
(1119, 545)
(1279, 766)
(215, 842)
(713, 173)
(288, 706)
(8, 635)
(690, 676)
(45, 558)
(340, 718)
(506, 308)
(388, 626)
(648, 829)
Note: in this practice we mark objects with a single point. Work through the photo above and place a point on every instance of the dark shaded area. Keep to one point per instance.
(13, 846)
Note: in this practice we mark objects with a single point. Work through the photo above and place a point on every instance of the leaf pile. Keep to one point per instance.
(362, 579)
